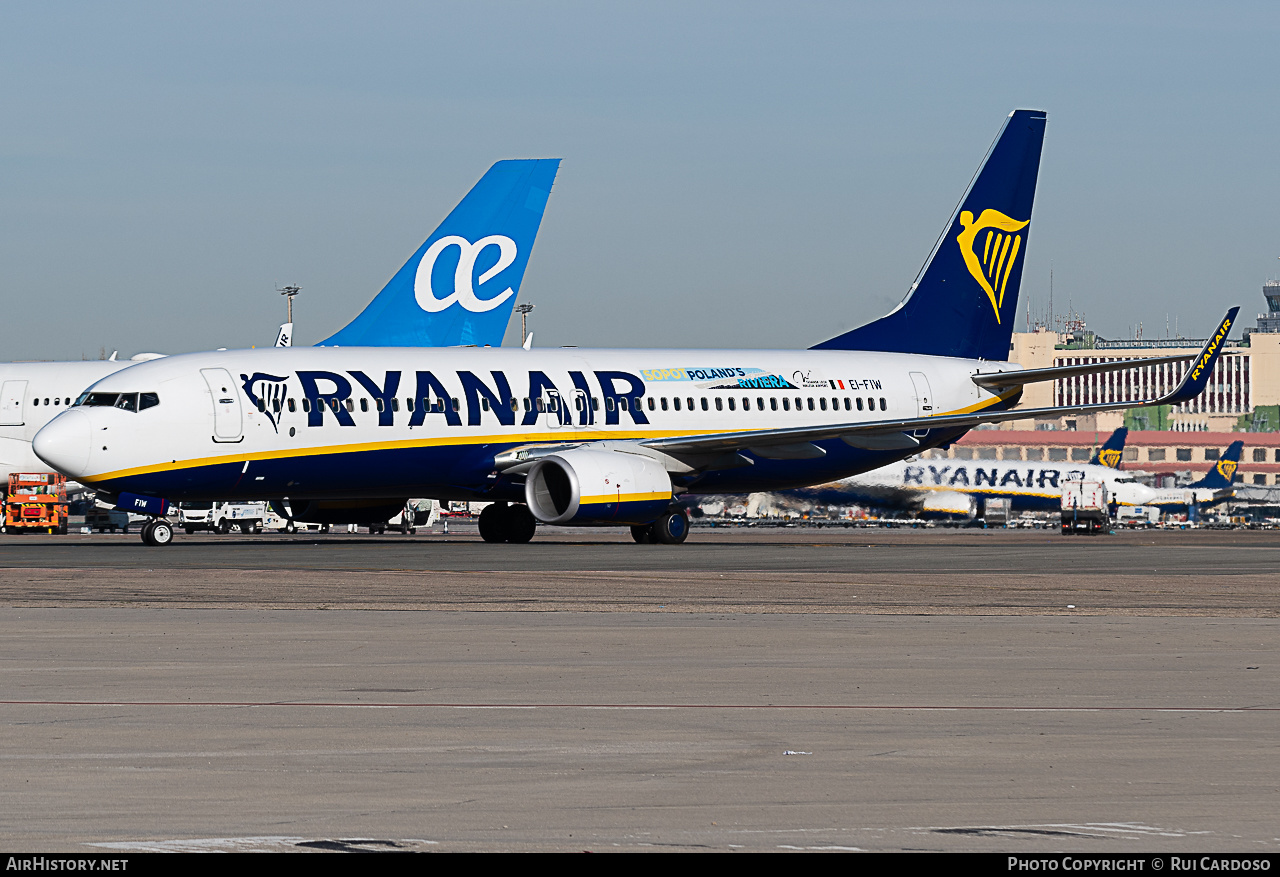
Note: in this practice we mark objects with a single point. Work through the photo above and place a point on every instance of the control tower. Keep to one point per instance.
(1270, 321)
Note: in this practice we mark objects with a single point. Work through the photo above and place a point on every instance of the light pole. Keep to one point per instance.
(523, 310)
(289, 292)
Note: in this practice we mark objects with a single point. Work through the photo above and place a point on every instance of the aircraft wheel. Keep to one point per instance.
(146, 532)
(671, 528)
(642, 533)
(161, 533)
(521, 524)
(493, 523)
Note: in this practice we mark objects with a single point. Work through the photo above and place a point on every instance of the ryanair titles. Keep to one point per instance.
(585, 399)
(988, 476)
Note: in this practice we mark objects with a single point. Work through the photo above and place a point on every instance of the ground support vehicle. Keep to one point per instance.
(1084, 508)
(223, 517)
(36, 501)
(1138, 516)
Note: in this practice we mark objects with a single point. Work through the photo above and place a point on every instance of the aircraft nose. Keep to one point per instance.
(64, 443)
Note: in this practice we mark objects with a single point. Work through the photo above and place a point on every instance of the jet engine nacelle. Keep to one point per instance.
(587, 486)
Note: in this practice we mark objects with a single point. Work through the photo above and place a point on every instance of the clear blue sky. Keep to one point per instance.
(735, 174)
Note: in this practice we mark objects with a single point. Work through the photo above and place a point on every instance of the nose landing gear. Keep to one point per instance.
(157, 531)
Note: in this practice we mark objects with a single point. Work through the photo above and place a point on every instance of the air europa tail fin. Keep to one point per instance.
(1221, 473)
(1112, 450)
(966, 297)
(461, 284)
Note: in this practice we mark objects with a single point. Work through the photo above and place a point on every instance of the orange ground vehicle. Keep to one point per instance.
(36, 501)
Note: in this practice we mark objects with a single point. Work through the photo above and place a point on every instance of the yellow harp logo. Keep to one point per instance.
(1110, 459)
(1227, 468)
(1000, 248)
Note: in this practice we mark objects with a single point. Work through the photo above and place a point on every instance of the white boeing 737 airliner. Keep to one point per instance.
(586, 437)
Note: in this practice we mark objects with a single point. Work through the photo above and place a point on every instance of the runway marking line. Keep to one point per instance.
(643, 706)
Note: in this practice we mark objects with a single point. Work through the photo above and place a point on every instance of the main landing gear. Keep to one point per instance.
(507, 523)
(157, 531)
(671, 528)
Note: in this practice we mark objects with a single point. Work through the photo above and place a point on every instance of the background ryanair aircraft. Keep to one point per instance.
(949, 487)
(1215, 486)
(586, 437)
(490, 234)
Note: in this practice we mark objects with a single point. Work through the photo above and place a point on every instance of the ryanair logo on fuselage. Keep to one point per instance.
(999, 250)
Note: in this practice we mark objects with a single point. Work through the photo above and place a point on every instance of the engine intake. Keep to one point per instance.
(586, 486)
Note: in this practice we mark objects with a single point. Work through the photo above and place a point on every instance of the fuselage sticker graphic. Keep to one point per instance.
(732, 378)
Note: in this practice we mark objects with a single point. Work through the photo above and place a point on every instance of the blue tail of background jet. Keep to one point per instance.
(461, 284)
(1221, 474)
(1112, 451)
(965, 300)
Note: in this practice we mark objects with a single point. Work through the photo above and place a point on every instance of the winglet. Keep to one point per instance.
(1197, 377)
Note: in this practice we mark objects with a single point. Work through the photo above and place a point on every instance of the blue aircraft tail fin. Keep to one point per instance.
(965, 299)
(461, 284)
(1112, 450)
(1221, 473)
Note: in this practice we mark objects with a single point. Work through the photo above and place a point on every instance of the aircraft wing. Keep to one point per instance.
(1018, 377)
(796, 442)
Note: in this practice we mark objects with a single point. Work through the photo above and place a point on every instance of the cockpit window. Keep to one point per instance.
(123, 401)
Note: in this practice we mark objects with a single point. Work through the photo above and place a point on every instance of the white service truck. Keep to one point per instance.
(222, 517)
(1084, 508)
